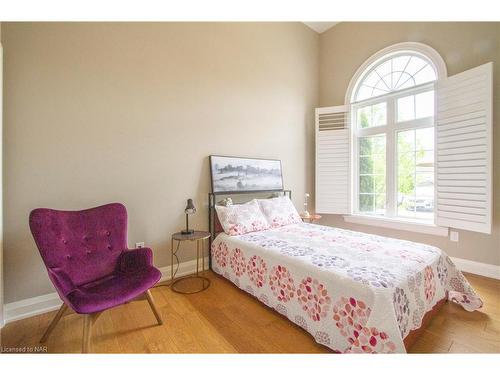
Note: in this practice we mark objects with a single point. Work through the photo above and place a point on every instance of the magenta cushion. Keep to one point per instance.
(112, 290)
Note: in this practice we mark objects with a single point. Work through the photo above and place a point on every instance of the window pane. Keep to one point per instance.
(416, 106)
(415, 65)
(424, 194)
(398, 65)
(365, 146)
(424, 184)
(384, 69)
(406, 183)
(364, 92)
(372, 146)
(425, 159)
(379, 90)
(364, 117)
(372, 115)
(425, 139)
(427, 74)
(372, 176)
(416, 173)
(380, 204)
(406, 194)
(372, 79)
(378, 144)
(385, 83)
(366, 184)
(406, 141)
(379, 163)
(379, 184)
(406, 108)
(395, 73)
(366, 203)
(424, 104)
(365, 165)
(406, 174)
(379, 114)
(406, 81)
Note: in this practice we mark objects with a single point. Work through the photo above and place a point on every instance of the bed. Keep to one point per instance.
(353, 292)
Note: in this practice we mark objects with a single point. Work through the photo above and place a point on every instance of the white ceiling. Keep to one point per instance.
(320, 27)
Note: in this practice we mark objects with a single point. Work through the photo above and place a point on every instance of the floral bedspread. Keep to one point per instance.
(354, 292)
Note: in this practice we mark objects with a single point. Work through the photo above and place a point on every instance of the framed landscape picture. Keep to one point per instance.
(234, 174)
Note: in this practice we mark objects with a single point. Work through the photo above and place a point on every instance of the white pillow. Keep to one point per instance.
(241, 218)
(279, 211)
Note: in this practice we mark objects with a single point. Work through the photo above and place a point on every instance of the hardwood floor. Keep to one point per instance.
(224, 319)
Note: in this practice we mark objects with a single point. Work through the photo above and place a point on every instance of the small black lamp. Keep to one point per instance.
(190, 209)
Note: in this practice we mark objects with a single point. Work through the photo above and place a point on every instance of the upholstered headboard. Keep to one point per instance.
(214, 225)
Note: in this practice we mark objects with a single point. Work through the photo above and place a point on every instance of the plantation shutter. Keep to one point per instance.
(333, 164)
(464, 150)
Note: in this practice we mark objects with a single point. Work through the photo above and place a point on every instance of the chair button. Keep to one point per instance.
(64, 242)
(108, 233)
(110, 247)
(68, 257)
(89, 252)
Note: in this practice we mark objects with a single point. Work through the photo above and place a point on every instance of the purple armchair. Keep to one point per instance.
(88, 261)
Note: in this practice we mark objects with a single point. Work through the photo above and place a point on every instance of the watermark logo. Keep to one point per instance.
(24, 349)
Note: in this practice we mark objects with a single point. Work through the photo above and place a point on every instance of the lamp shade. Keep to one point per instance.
(190, 208)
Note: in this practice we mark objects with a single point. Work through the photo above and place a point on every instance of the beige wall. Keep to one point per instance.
(463, 46)
(97, 113)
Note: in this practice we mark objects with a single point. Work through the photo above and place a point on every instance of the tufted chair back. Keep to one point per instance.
(85, 245)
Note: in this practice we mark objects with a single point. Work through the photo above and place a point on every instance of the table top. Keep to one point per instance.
(311, 217)
(197, 235)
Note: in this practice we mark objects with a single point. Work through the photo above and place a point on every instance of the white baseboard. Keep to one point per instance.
(477, 268)
(31, 306)
(49, 302)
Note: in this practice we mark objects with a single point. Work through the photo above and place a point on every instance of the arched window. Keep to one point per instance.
(392, 106)
(395, 73)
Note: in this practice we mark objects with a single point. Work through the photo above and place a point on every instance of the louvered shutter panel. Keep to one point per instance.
(464, 150)
(333, 173)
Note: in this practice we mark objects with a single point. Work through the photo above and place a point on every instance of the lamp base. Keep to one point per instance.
(187, 231)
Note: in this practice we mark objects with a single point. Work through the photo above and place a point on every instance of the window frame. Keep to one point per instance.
(390, 131)
(380, 62)
(441, 71)
(469, 153)
(410, 47)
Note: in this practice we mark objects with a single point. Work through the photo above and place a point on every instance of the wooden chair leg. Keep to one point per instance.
(151, 301)
(87, 330)
(88, 323)
(53, 323)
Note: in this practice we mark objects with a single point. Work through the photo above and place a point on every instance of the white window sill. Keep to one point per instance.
(407, 225)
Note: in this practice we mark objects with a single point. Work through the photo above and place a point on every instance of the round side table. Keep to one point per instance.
(311, 218)
(200, 237)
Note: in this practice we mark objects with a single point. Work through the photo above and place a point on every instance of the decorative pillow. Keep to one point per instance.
(279, 211)
(241, 218)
